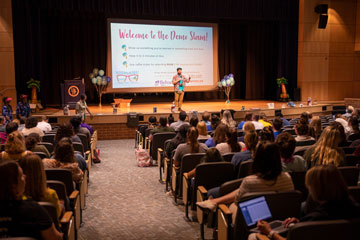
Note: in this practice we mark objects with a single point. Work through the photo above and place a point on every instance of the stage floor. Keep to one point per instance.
(165, 107)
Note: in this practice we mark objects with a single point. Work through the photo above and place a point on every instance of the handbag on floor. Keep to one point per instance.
(143, 158)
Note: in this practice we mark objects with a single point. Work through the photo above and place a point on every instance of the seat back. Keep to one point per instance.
(84, 141)
(354, 192)
(78, 147)
(245, 169)
(41, 154)
(350, 175)
(50, 138)
(290, 130)
(348, 150)
(147, 131)
(351, 160)
(60, 190)
(305, 143)
(228, 156)
(62, 175)
(213, 174)
(298, 179)
(158, 142)
(329, 230)
(51, 210)
(202, 140)
(49, 146)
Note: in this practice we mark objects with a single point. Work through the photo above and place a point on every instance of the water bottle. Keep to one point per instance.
(173, 107)
(66, 110)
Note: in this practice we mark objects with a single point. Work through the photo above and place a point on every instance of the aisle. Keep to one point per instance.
(128, 202)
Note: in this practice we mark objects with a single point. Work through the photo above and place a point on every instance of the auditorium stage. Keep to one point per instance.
(113, 125)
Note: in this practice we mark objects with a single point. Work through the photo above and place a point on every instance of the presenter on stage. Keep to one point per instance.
(179, 81)
(81, 108)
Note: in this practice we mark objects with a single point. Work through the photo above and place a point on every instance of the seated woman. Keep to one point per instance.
(315, 128)
(31, 127)
(343, 139)
(231, 144)
(212, 155)
(302, 132)
(65, 158)
(65, 130)
(219, 136)
(326, 150)
(179, 138)
(14, 147)
(251, 140)
(203, 132)
(215, 121)
(267, 176)
(354, 126)
(266, 134)
(326, 187)
(31, 143)
(248, 118)
(21, 218)
(289, 161)
(248, 126)
(36, 188)
(228, 120)
(190, 146)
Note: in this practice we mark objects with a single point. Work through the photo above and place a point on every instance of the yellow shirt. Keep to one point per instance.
(53, 198)
(266, 124)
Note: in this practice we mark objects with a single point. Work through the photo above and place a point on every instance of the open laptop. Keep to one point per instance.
(257, 209)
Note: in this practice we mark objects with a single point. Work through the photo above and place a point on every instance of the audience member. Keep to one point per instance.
(23, 107)
(65, 130)
(190, 146)
(89, 127)
(35, 187)
(206, 120)
(182, 117)
(257, 124)
(219, 136)
(7, 112)
(263, 120)
(267, 176)
(228, 120)
(251, 140)
(266, 134)
(277, 125)
(44, 125)
(305, 116)
(315, 128)
(211, 155)
(302, 132)
(289, 161)
(14, 147)
(11, 127)
(162, 127)
(326, 150)
(343, 140)
(284, 120)
(231, 144)
(76, 122)
(340, 119)
(215, 121)
(328, 189)
(21, 218)
(203, 131)
(31, 143)
(248, 118)
(177, 140)
(20, 122)
(31, 127)
(349, 112)
(194, 121)
(65, 158)
(3, 134)
(170, 119)
(354, 133)
(248, 126)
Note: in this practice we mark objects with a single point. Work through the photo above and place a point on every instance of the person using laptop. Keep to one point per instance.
(267, 176)
(333, 201)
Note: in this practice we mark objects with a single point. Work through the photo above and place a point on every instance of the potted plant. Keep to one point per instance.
(281, 82)
(35, 87)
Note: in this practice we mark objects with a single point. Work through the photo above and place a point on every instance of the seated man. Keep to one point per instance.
(206, 119)
(284, 120)
(176, 125)
(44, 125)
(277, 124)
(258, 125)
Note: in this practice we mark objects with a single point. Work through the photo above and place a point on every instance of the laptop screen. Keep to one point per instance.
(254, 210)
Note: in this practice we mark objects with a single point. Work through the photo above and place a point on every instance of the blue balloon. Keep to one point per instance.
(231, 75)
(226, 77)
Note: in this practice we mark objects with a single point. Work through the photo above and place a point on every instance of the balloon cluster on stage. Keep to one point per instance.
(225, 84)
(100, 81)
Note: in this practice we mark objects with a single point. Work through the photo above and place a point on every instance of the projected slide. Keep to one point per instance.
(147, 55)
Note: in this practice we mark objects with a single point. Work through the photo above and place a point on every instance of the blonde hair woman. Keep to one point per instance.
(202, 129)
(228, 120)
(15, 148)
(326, 150)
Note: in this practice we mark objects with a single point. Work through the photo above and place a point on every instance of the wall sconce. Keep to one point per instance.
(322, 9)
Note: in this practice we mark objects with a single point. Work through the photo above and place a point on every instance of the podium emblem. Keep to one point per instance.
(73, 91)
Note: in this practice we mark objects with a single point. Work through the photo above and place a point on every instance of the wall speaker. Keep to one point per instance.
(132, 119)
(297, 94)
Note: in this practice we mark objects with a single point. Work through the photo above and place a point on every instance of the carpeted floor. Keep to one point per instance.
(128, 202)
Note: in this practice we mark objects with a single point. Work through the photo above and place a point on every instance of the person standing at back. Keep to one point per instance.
(179, 81)
(81, 107)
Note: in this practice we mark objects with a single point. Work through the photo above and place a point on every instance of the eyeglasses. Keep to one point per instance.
(122, 78)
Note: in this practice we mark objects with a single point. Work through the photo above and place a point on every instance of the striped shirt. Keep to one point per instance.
(253, 184)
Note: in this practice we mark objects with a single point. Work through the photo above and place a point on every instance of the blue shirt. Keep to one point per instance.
(7, 111)
(241, 125)
(23, 110)
(210, 143)
(239, 158)
(208, 125)
(276, 134)
(181, 83)
(285, 122)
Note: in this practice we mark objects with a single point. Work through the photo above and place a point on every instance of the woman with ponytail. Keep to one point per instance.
(231, 144)
(190, 146)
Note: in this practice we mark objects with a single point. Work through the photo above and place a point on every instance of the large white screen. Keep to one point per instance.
(144, 57)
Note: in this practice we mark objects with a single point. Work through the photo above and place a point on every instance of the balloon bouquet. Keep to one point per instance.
(225, 84)
(100, 81)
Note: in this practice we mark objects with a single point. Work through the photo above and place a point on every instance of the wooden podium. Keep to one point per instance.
(71, 91)
(122, 103)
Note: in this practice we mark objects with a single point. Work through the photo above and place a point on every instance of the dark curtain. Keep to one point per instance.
(65, 39)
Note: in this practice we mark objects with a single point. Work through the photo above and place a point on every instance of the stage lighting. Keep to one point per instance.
(322, 9)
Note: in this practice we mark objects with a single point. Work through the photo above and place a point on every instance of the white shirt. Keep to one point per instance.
(258, 126)
(225, 147)
(344, 123)
(28, 131)
(44, 126)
